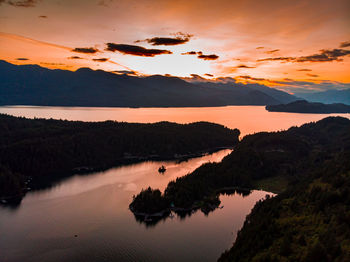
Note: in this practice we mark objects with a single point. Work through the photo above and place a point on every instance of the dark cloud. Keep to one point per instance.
(244, 66)
(304, 70)
(124, 72)
(260, 47)
(165, 41)
(312, 75)
(325, 55)
(75, 57)
(21, 3)
(178, 39)
(210, 75)
(22, 59)
(190, 53)
(286, 59)
(42, 16)
(207, 57)
(100, 59)
(252, 78)
(345, 44)
(272, 51)
(85, 50)
(197, 77)
(135, 50)
(200, 55)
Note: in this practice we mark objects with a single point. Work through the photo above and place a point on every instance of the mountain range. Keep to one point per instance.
(35, 85)
(329, 96)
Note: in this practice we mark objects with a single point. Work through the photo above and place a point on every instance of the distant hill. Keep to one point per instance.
(329, 96)
(35, 85)
(303, 106)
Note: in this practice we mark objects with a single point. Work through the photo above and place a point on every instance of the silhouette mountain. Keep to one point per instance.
(35, 85)
(329, 96)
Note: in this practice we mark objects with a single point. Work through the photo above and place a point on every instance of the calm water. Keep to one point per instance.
(248, 119)
(95, 207)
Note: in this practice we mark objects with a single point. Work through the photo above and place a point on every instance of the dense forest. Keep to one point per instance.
(308, 221)
(303, 106)
(44, 150)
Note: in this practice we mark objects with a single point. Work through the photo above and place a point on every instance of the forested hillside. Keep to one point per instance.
(49, 149)
(308, 221)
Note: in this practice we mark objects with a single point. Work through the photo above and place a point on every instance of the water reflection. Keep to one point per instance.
(95, 208)
(248, 119)
(182, 213)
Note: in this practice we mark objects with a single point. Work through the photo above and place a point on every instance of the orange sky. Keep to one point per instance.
(232, 37)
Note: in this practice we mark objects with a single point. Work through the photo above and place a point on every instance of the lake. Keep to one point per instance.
(86, 217)
(248, 119)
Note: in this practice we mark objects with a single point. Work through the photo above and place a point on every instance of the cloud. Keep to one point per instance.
(21, 3)
(286, 59)
(260, 47)
(197, 77)
(200, 55)
(179, 40)
(207, 57)
(244, 66)
(345, 44)
(304, 70)
(100, 59)
(312, 75)
(210, 75)
(135, 50)
(22, 59)
(75, 57)
(291, 85)
(85, 50)
(124, 72)
(42, 16)
(252, 78)
(272, 51)
(190, 53)
(325, 55)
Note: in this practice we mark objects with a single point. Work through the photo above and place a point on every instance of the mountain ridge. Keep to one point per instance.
(36, 85)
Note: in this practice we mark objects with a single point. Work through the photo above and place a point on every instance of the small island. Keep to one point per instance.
(303, 106)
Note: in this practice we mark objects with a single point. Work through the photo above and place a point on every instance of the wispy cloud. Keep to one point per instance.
(21, 3)
(100, 59)
(85, 50)
(345, 44)
(272, 51)
(325, 55)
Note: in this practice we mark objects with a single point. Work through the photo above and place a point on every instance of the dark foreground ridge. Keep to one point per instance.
(307, 221)
(37, 152)
(303, 106)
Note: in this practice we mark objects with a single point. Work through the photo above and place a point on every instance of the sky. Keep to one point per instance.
(296, 46)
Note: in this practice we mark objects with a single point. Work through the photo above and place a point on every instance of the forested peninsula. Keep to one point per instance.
(37, 152)
(307, 221)
(303, 106)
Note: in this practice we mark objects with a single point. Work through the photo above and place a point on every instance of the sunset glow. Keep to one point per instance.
(284, 44)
